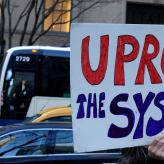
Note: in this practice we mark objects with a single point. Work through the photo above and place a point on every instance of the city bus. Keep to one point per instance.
(30, 71)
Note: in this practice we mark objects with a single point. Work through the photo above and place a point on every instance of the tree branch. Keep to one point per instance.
(36, 7)
(22, 15)
(37, 14)
(10, 23)
(2, 26)
(26, 21)
(56, 22)
(47, 14)
(85, 9)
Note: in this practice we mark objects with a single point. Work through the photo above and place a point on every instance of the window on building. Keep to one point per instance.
(60, 15)
(144, 13)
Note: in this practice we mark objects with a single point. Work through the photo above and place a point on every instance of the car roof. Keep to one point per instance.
(24, 126)
(59, 111)
(55, 109)
(52, 113)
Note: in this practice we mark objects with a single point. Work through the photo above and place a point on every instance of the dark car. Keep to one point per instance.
(45, 142)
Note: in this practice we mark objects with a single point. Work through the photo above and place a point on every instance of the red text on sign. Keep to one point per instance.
(95, 77)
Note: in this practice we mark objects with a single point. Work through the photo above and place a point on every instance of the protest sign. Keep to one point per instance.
(117, 85)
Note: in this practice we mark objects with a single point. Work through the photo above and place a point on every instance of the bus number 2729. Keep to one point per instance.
(22, 59)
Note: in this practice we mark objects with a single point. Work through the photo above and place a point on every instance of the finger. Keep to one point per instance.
(158, 154)
(157, 140)
(162, 139)
(156, 145)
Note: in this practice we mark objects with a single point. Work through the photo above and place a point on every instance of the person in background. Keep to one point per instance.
(23, 96)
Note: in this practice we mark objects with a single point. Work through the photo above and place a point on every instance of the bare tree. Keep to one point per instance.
(34, 10)
(2, 25)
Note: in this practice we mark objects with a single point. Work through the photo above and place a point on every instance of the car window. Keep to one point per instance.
(59, 119)
(37, 142)
(59, 141)
(23, 143)
(64, 141)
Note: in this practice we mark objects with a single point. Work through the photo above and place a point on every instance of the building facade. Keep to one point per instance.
(102, 11)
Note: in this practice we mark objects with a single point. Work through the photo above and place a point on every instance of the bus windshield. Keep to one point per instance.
(29, 75)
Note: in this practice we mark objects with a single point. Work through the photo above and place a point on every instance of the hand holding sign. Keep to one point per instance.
(156, 148)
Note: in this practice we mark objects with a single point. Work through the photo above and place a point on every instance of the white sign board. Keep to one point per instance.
(117, 85)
